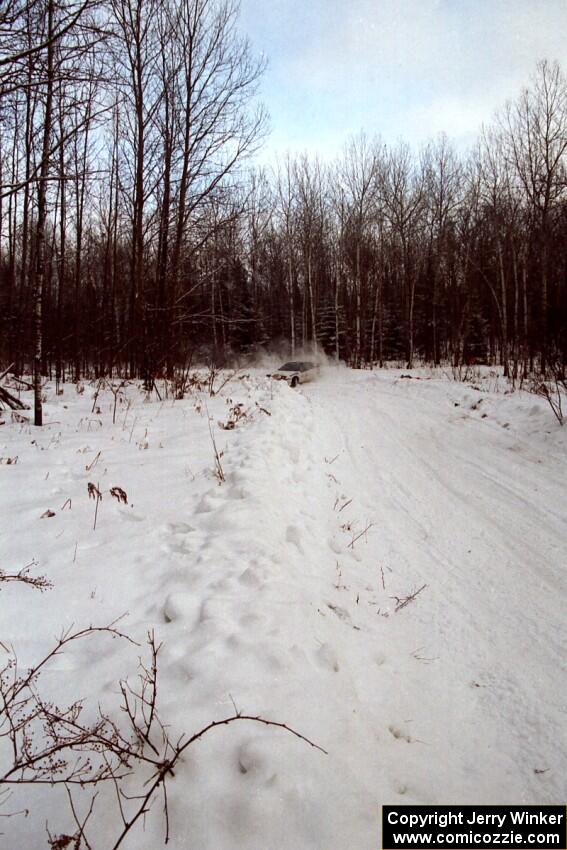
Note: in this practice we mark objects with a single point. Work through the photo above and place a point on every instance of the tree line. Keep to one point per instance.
(137, 233)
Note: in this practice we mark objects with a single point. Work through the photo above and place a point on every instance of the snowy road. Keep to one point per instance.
(459, 696)
(464, 506)
(268, 591)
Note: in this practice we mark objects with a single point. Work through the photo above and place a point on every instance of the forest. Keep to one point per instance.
(240, 610)
(139, 234)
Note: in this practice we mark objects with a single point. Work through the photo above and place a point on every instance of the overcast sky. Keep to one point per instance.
(401, 68)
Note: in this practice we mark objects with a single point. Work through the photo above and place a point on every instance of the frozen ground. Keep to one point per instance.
(265, 590)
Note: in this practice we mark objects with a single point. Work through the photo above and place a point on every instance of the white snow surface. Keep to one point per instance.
(263, 593)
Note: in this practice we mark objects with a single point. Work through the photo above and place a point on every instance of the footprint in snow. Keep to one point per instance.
(178, 528)
(255, 760)
(250, 578)
(399, 734)
(240, 491)
(293, 535)
(250, 620)
(327, 658)
(296, 652)
(181, 606)
(274, 662)
(178, 546)
(294, 453)
(233, 641)
(130, 515)
(207, 503)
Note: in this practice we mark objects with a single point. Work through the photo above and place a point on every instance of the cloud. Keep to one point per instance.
(398, 67)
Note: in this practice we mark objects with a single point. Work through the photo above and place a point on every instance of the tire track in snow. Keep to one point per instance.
(492, 558)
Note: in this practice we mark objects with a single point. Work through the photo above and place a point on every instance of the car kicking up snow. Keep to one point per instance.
(296, 372)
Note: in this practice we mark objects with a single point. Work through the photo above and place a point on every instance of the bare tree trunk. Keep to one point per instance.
(213, 276)
(411, 284)
(62, 255)
(525, 357)
(358, 307)
(41, 223)
(337, 324)
(303, 316)
(26, 269)
(311, 300)
(411, 327)
(165, 213)
(291, 302)
(544, 299)
(434, 317)
(515, 344)
(136, 317)
(380, 324)
(12, 216)
(373, 327)
(503, 311)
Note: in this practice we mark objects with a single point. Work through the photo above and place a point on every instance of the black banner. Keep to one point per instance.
(462, 827)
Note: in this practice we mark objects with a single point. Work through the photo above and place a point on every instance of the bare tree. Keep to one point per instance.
(535, 128)
(285, 210)
(444, 185)
(358, 176)
(403, 202)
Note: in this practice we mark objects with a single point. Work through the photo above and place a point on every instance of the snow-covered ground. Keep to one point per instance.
(277, 591)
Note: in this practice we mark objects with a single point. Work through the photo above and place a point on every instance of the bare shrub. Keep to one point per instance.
(94, 493)
(235, 414)
(553, 389)
(218, 469)
(23, 577)
(119, 494)
(402, 601)
(54, 746)
(212, 376)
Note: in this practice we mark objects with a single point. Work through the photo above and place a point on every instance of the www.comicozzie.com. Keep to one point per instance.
(474, 826)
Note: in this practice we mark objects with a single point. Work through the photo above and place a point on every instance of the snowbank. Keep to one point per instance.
(281, 591)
